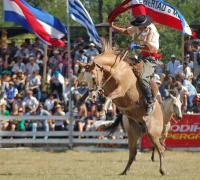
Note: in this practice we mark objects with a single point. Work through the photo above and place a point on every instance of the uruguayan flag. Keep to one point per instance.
(80, 14)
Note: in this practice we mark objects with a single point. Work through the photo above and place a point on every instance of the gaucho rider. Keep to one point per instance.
(149, 43)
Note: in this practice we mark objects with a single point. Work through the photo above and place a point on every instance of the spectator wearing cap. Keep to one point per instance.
(31, 101)
(171, 67)
(22, 53)
(33, 83)
(42, 124)
(190, 63)
(163, 92)
(91, 52)
(57, 83)
(55, 62)
(80, 47)
(32, 66)
(20, 79)
(80, 58)
(9, 94)
(181, 92)
(19, 65)
(183, 70)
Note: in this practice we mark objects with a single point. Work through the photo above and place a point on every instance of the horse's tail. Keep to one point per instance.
(118, 121)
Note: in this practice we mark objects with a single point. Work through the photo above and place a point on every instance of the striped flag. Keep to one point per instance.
(48, 28)
(80, 14)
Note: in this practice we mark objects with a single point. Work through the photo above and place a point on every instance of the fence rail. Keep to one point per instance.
(56, 138)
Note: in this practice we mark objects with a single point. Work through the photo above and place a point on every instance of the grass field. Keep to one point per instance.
(40, 165)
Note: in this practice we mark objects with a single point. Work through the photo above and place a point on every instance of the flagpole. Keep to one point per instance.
(70, 83)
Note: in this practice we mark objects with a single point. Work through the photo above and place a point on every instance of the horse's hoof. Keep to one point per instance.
(163, 172)
(152, 159)
(123, 173)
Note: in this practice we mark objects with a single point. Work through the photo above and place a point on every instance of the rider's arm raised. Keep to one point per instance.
(118, 29)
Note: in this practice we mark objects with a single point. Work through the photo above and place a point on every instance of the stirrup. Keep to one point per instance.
(149, 109)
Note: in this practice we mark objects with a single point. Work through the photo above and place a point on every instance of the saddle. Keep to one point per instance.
(137, 67)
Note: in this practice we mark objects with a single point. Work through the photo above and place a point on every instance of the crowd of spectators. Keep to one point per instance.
(21, 74)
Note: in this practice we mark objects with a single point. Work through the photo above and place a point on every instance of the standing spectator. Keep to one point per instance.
(32, 66)
(73, 78)
(27, 43)
(9, 94)
(171, 67)
(195, 47)
(181, 92)
(55, 62)
(39, 61)
(33, 84)
(30, 101)
(91, 52)
(8, 62)
(65, 64)
(20, 80)
(57, 83)
(19, 65)
(79, 40)
(41, 123)
(13, 47)
(159, 69)
(22, 53)
(187, 47)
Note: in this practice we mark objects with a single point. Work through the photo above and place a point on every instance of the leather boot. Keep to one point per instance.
(149, 98)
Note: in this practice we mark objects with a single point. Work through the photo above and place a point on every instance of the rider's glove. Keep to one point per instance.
(134, 46)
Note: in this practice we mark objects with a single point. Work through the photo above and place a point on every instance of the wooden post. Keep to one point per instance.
(110, 36)
(44, 68)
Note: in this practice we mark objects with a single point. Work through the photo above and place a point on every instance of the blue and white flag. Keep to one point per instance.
(80, 14)
(47, 27)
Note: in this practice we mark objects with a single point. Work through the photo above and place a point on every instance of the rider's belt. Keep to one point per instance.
(147, 54)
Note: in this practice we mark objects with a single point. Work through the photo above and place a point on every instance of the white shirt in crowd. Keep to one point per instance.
(155, 77)
(181, 92)
(32, 102)
(179, 71)
(49, 104)
(30, 68)
(16, 67)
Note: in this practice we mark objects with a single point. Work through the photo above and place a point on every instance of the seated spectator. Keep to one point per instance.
(57, 83)
(100, 100)
(187, 47)
(9, 94)
(32, 66)
(22, 53)
(18, 101)
(5, 80)
(190, 63)
(20, 79)
(58, 124)
(27, 43)
(4, 112)
(13, 47)
(21, 122)
(171, 67)
(39, 44)
(195, 46)
(80, 47)
(34, 50)
(41, 123)
(183, 70)
(13, 123)
(91, 52)
(155, 77)
(73, 78)
(55, 62)
(30, 101)
(159, 69)
(158, 96)
(50, 102)
(182, 93)
(33, 83)
(80, 58)
(19, 65)
(163, 92)
(79, 40)
(67, 122)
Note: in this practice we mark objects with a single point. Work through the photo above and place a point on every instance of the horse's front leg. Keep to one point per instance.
(115, 94)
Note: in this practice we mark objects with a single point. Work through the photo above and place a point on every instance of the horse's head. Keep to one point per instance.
(176, 107)
(93, 74)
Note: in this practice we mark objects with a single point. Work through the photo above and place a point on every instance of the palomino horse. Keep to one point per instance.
(170, 106)
(116, 78)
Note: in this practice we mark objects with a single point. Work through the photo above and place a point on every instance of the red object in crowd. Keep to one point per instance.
(196, 98)
(194, 35)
